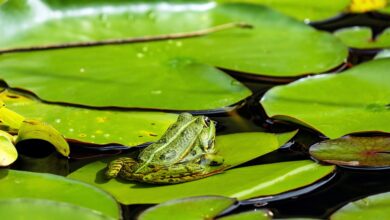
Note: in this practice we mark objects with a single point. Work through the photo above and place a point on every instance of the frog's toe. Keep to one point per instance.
(214, 160)
(114, 167)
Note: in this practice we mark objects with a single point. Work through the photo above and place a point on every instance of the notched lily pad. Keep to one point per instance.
(370, 208)
(362, 38)
(193, 208)
(327, 105)
(244, 183)
(354, 151)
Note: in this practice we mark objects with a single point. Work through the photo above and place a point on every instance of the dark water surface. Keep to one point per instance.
(317, 201)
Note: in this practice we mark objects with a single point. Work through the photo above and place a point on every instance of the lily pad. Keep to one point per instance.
(194, 208)
(45, 209)
(304, 10)
(20, 184)
(372, 207)
(32, 129)
(354, 151)
(8, 153)
(249, 215)
(361, 38)
(129, 128)
(383, 54)
(159, 70)
(327, 105)
(244, 183)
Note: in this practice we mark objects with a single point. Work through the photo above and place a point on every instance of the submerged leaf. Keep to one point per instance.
(21, 184)
(354, 151)
(8, 153)
(326, 104)
(370, 208)
(33, 129)
(194, 208)
(23, 208)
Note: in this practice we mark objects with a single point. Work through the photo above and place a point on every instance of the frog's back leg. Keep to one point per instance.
(179, 173)
(115, 166)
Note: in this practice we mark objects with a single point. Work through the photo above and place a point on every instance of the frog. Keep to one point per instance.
(185, 152)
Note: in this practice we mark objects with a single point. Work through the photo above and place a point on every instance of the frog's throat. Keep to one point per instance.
(167, 143)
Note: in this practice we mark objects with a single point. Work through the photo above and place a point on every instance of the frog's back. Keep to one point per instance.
(174, 143)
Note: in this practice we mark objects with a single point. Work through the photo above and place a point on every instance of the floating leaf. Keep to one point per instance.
(304, 10)
(326, 104)
(32, 129)
(250, 215)
(152, 65)
(362, 38)
(372, 207)
(45, 209)
(244, 183)
(194, 208)
(10, 120)
(361, 6)
(8, 153)
(93, 126)
(354, 151)
(20, 184)
(383, 54)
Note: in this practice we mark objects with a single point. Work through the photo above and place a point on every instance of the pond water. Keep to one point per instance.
(319, 201)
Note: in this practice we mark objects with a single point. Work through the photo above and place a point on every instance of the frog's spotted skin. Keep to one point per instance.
(184, 153)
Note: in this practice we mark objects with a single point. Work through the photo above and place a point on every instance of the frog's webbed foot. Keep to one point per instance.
(213, 159)
(115, 166)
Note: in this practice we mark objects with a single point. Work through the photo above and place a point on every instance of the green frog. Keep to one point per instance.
(185, 152)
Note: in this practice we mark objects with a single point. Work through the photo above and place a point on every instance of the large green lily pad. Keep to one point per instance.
(305, 10)
(361, 38)
(152, 74)
(355, 101)
(370, 208)
(46, 209)
(249, 215)
(244, 183)
(129, 128)
(20, 184)
(194, 208)
(354, 151)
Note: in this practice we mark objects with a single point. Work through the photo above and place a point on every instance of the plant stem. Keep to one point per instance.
(198, 33)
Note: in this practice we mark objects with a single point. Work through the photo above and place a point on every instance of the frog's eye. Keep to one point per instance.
(207, 121)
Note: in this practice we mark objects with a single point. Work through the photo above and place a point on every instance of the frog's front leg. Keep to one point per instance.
(117, 165)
